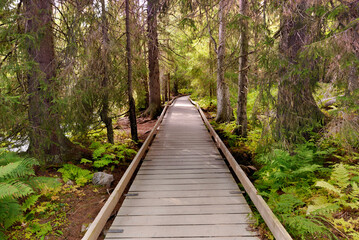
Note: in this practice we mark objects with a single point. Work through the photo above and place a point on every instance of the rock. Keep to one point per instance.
(85, 227)
(69, 182)
(101, 178)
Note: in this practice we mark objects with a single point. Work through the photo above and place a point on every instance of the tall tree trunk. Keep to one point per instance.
(211, 70)
(144, 77)
(154, 108)
(165, 80)
(47, 140)
(224, 109)
(241, 128)
(297, 111)
(131, 101)
(169, 86)
(105, 81)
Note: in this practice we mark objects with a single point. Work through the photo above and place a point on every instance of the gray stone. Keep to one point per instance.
(101, 178)
(85, 227)
(69, 182)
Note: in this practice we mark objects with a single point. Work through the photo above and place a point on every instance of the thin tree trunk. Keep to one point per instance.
(46, 136)
(131, 101)
(105, 81)
(154, 108)
(241, 128)
(144, 77)
(165, 79)
(211, 70)
(224, 109)
(297, 111)
(169, 86)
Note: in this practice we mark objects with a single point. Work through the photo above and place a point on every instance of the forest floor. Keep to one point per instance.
(71, 209)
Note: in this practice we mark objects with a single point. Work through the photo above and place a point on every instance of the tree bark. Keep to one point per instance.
(242, 120)
(297, 111)
(165, 87)
(47, 140)
(105, 81)
(224, 109)
(154, 108)
(131, 100)
(169, 86)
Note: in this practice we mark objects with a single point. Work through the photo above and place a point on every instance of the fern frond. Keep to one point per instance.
(40, 182)
(29, 202)
(14, 188)
(323, 209)
(304, 226)
(17, 169)
(10, 212)
(355, 191)
(329, 187)
(340, 176)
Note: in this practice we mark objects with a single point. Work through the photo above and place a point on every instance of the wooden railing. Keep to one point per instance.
(277, 229)
(98, 224)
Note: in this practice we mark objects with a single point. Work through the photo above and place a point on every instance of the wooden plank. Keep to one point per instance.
(172, 187)
(181, 220)
(186, 171)
(183, 210)
(184, 176)
(235, 230)
(182, 167)
(155, 202)
(188, 238)
(186, 194)
(182, 181)
(183, 163)
(182, 153)
(184, 158)
(97, 225)
(270, 219)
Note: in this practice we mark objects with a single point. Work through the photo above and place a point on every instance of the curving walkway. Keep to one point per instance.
(183, 190)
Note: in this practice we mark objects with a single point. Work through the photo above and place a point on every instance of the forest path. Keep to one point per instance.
(183, 189)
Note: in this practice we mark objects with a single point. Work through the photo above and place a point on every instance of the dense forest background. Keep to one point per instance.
(279, 79)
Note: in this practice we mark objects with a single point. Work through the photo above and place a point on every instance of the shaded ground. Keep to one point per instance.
(80, 205)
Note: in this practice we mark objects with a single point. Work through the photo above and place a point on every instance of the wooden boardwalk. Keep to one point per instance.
(184, 189)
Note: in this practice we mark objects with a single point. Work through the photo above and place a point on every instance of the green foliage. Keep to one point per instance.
(286, 180)
(282, 169)
(75, 173)
(343, 192)
(107, 154)
(14, 173)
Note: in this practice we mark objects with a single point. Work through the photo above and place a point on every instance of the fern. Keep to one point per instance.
(15, 171)
(340, 176)
(343, 192)
(302, 227)
(29, 202)
(10, 212)
(75, 173)
(39, 183)
(329, 187)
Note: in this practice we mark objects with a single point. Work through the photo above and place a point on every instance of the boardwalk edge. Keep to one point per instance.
(98, 224)
(274, 225)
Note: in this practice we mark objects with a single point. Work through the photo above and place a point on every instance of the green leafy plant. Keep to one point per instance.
(343, 192)
(75, 173)
(282, 169)
(286, 182)
(15, 172)
(109, 154)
